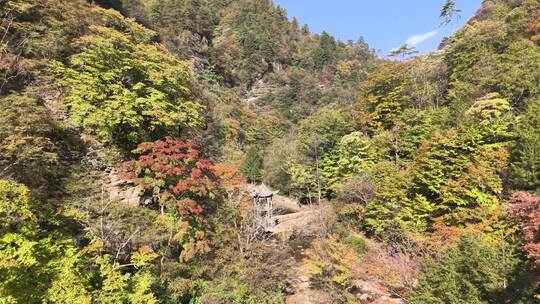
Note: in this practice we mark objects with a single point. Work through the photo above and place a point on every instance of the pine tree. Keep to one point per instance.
(473, 271)
(449, 12)
(526, 155)
(253, 165)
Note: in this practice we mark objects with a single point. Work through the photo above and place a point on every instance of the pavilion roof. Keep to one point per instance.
(263, 191)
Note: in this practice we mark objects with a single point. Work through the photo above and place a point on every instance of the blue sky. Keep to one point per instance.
(385, 24)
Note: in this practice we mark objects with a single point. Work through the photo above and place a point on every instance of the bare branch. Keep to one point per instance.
(125, 244)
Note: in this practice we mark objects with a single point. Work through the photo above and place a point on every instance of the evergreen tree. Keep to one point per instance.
(252, 167)
(474, 271)
(525, 157)
(449, 12)
(324, 54)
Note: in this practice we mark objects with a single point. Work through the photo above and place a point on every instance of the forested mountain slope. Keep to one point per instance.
(130, 129)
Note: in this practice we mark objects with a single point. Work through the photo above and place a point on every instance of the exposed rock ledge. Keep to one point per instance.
(122, 190)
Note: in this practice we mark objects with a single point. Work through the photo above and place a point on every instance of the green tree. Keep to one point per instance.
(320, 132)
(489, 107)
(404, 50)
(331, 263)
(252, 167)
(325, 53)
(449, 12)
(458, 174)
(249, 39)
(276, 159)
(264, 130)
(353, 154)
(391, 187)
(39, 264)
(416, 213)
(384, 96)
(303, 179)
(516, 73)
(78, 271)
(15, 206)
(29, 255)
(475, 270)
(525, 158)
(235, 290)
(28, 147)
(477, 192)
(126, 91)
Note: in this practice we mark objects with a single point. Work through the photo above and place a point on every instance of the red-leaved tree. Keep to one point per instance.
(526, 208)
(181, 184)
(173, 174)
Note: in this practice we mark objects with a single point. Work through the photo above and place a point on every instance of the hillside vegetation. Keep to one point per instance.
(132, 132)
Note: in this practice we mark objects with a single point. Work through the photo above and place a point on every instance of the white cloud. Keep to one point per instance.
(417, 39)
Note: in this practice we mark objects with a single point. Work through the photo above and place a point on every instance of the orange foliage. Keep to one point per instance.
(442, 235)
(534, 28)
(233, 182)
(229, 176)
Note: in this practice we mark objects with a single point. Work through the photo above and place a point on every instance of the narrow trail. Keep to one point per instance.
(304, 294)
(302, 222)
(296, 218)
(299, 225)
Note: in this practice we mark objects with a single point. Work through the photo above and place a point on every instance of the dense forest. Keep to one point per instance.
(133, 132)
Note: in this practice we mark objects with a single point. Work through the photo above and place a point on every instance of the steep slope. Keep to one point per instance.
(129, 128)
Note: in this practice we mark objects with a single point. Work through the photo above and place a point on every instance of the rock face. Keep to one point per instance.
(118, 188)
(258, 90)
(375, 293)
(123, 190)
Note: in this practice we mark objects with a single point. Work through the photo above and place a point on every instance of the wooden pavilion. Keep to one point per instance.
(262, 206)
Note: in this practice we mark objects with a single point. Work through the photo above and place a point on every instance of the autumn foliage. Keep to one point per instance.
(229, 175)
(172, 171)
(534, 28)
(526, 208)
